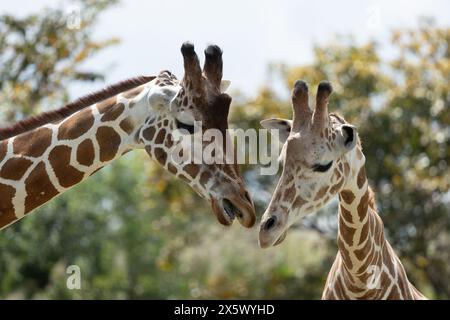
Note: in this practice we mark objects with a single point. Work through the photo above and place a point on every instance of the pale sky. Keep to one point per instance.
(251, 33)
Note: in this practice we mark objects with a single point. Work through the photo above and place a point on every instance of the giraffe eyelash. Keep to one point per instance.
(322, 168)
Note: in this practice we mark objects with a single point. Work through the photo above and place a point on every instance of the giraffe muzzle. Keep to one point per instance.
(229, 208)
(271, 232)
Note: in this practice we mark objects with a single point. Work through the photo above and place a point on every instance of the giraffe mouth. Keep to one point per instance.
(230, 210)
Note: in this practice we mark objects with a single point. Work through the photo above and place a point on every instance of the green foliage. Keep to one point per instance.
(136, 232)
(40, 57)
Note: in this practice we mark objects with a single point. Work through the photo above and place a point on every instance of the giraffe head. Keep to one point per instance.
(318, 154)
(176, 110)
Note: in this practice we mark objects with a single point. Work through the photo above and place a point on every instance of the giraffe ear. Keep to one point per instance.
(224, 85)
(161, 97)
(185, 117)
(282, 125)
(349, 137)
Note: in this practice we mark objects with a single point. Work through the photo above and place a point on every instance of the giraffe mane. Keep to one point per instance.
(72, 107)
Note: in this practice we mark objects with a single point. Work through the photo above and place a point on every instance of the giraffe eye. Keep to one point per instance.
(182, 125)
(322, 168)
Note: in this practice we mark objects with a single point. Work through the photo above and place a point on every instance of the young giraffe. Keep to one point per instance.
(322, 158)
(44, 156)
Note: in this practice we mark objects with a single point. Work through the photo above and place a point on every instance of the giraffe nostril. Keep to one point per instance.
(270, 223)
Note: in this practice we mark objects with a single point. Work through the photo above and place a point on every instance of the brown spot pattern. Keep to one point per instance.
(387, 260)
(336, 173)
(126, 125)
(346, 232)
(160, 155)
(341, 289)
(351, 285)
(39, 188)
(347, 196)
(86, 153)
(364, 277)
(15, 168)
(59, 159)
(334, 189)
(76, 126)
(299, 201)
(384, 280)
(109, 142)
(361, 179)
(113, 113)
(33, 143)
(172, 169)
(149, 133)
(363, 205)
(191, 169)
(6, 207)
(364, 251)
(364, 233)
(103, 106)
(346, 214)
(160, 137)
(321, 193)
(345, 257)
(169, 141)
(394, 294)
(289, 194)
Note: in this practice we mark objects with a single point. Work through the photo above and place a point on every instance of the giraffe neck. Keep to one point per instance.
(366, 266)
(40, 164)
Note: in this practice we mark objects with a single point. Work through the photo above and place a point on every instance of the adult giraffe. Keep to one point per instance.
(46, 155)
(322, 158)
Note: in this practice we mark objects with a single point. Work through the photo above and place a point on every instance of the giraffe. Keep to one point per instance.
(322, 157)
(47, 155)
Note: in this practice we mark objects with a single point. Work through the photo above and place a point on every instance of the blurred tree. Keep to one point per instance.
(41, 54)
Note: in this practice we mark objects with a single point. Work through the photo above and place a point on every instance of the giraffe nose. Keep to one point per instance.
(272, 230)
